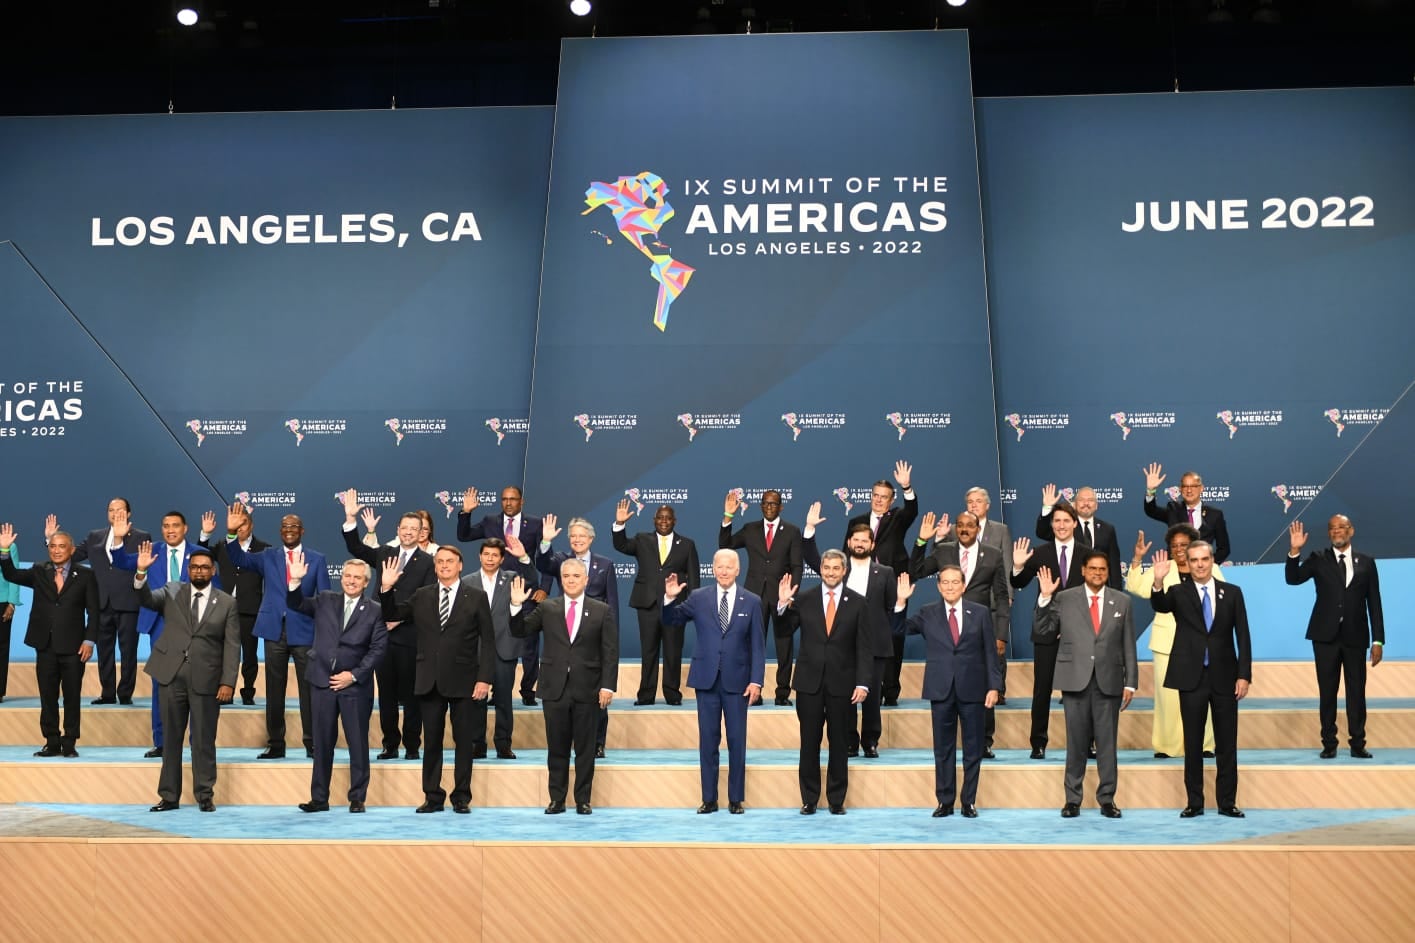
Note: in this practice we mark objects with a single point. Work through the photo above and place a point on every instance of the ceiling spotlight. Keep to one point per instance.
(580, 7)
(956, 3)
(187, 16)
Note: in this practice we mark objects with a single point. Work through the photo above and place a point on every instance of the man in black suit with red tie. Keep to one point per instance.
(1063, 555)
(1091, 531)
(1211, 666)
(62, 625)
(659, 553)
(773, 550)
(889, 526)
(1346, 620)
(832, 675)
(579, 674)
(1189, 509)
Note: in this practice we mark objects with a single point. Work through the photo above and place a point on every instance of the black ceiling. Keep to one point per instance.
(255, 55)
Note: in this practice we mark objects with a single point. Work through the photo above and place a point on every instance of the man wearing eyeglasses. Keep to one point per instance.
(1189, 509)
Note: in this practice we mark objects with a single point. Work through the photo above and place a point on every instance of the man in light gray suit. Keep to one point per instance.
(1095, 671)
(495, 581)
(194, 663)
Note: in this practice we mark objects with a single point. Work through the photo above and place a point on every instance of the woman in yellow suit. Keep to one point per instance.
(1168, 732)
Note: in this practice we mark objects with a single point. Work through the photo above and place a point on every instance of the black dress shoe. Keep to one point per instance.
(1328, 753)
(1161, 756)
(165, 806)
(271, 753)
(674, 701)
(248, 700)
(429, 806)
(1039, 753)
(1361, 753)
(853, 751)
(126, 700)
(707, 808)
(970, 811)
(1091, 753)
(837, 810)
(528, 699)
(783, 702)
(555, 808)
(154, 754)
(988, 754)
(410, 755)
(388, 754)
(48, 750)
(871, 753)
(309, 753)
(479, 753)
(356, 805)
(643, 701)
(890, 702)
(583, 808)
(1232, 812)
(1208, 754)
(735, 808)
(1110, 810)
(313, 806)
(808, 809)
(206, 805)
(943, 811)
(104, 700)
(68, 750)
(1070, 811)
(461, 808)
(504, 754)
(599, 753)
(1191, 811)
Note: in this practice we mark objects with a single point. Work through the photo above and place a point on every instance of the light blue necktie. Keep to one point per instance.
(1208, 620)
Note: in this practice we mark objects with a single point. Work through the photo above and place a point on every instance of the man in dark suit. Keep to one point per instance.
(773, 550)
(660, 553)
(991, 533)
(194, 661)
(1189, 509)
(579, 673)
(876, 583)
(117, 602)
(510, 523)
(1090, 530)
(1211, 666)
(61, 628)
(961, 680)
(984, 582)
(287, 633)
(1346, 620)
(456, 665)
(729, 663)
(1061, 555)
(396, 670)
(889, 527)
(1096, 671)
(350, 639)
(248, 588)
(602, 584)
(500, 561)
(832, 676)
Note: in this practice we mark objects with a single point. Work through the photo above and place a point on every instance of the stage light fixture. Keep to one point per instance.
(187, 16)
(580, 7)
(956, 3)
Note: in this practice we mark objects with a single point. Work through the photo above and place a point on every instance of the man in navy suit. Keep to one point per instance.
(1090, 530)
(1346, 619)
(728, 666)
(773, 550)
(961, 679)
(660, 552)
(1189, 509)
(170, 566)
(117, 602)
(350, 639)
(1211, 666)
(889, 527)
(287, 633)
(602, 583)
(832, 676)
(510, 522)
(500, 560)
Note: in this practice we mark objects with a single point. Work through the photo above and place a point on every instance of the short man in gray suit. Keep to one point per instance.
(1095, 671)
(194, 663)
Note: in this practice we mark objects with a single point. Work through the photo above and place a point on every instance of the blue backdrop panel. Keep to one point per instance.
(367, 309)
(763, 269)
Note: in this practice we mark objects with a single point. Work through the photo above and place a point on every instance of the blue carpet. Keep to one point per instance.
(860, 827)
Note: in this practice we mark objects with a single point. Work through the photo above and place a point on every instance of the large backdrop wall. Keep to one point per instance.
(720, 263)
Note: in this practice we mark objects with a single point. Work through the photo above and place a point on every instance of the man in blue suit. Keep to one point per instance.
(350, 639)
(962, 676)
(727, 670)
(287, 633)
(170, 566)
(602, 584)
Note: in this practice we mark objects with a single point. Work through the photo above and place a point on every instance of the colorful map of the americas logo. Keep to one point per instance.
(640, 212)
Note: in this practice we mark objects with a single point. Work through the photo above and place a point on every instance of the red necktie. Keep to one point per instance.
(953, 624)
(829, 612)
(769, 528)
(510, 527)
(1096, 614)
(570, 620)
(289, 561)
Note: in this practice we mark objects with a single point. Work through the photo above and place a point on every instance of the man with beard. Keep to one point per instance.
(773, 550)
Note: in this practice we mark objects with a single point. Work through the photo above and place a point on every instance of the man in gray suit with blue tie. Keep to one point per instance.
(1095, 671)
(194, 662)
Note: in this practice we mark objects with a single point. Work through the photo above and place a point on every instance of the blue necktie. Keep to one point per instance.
(1208, 620)
(724, 616)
